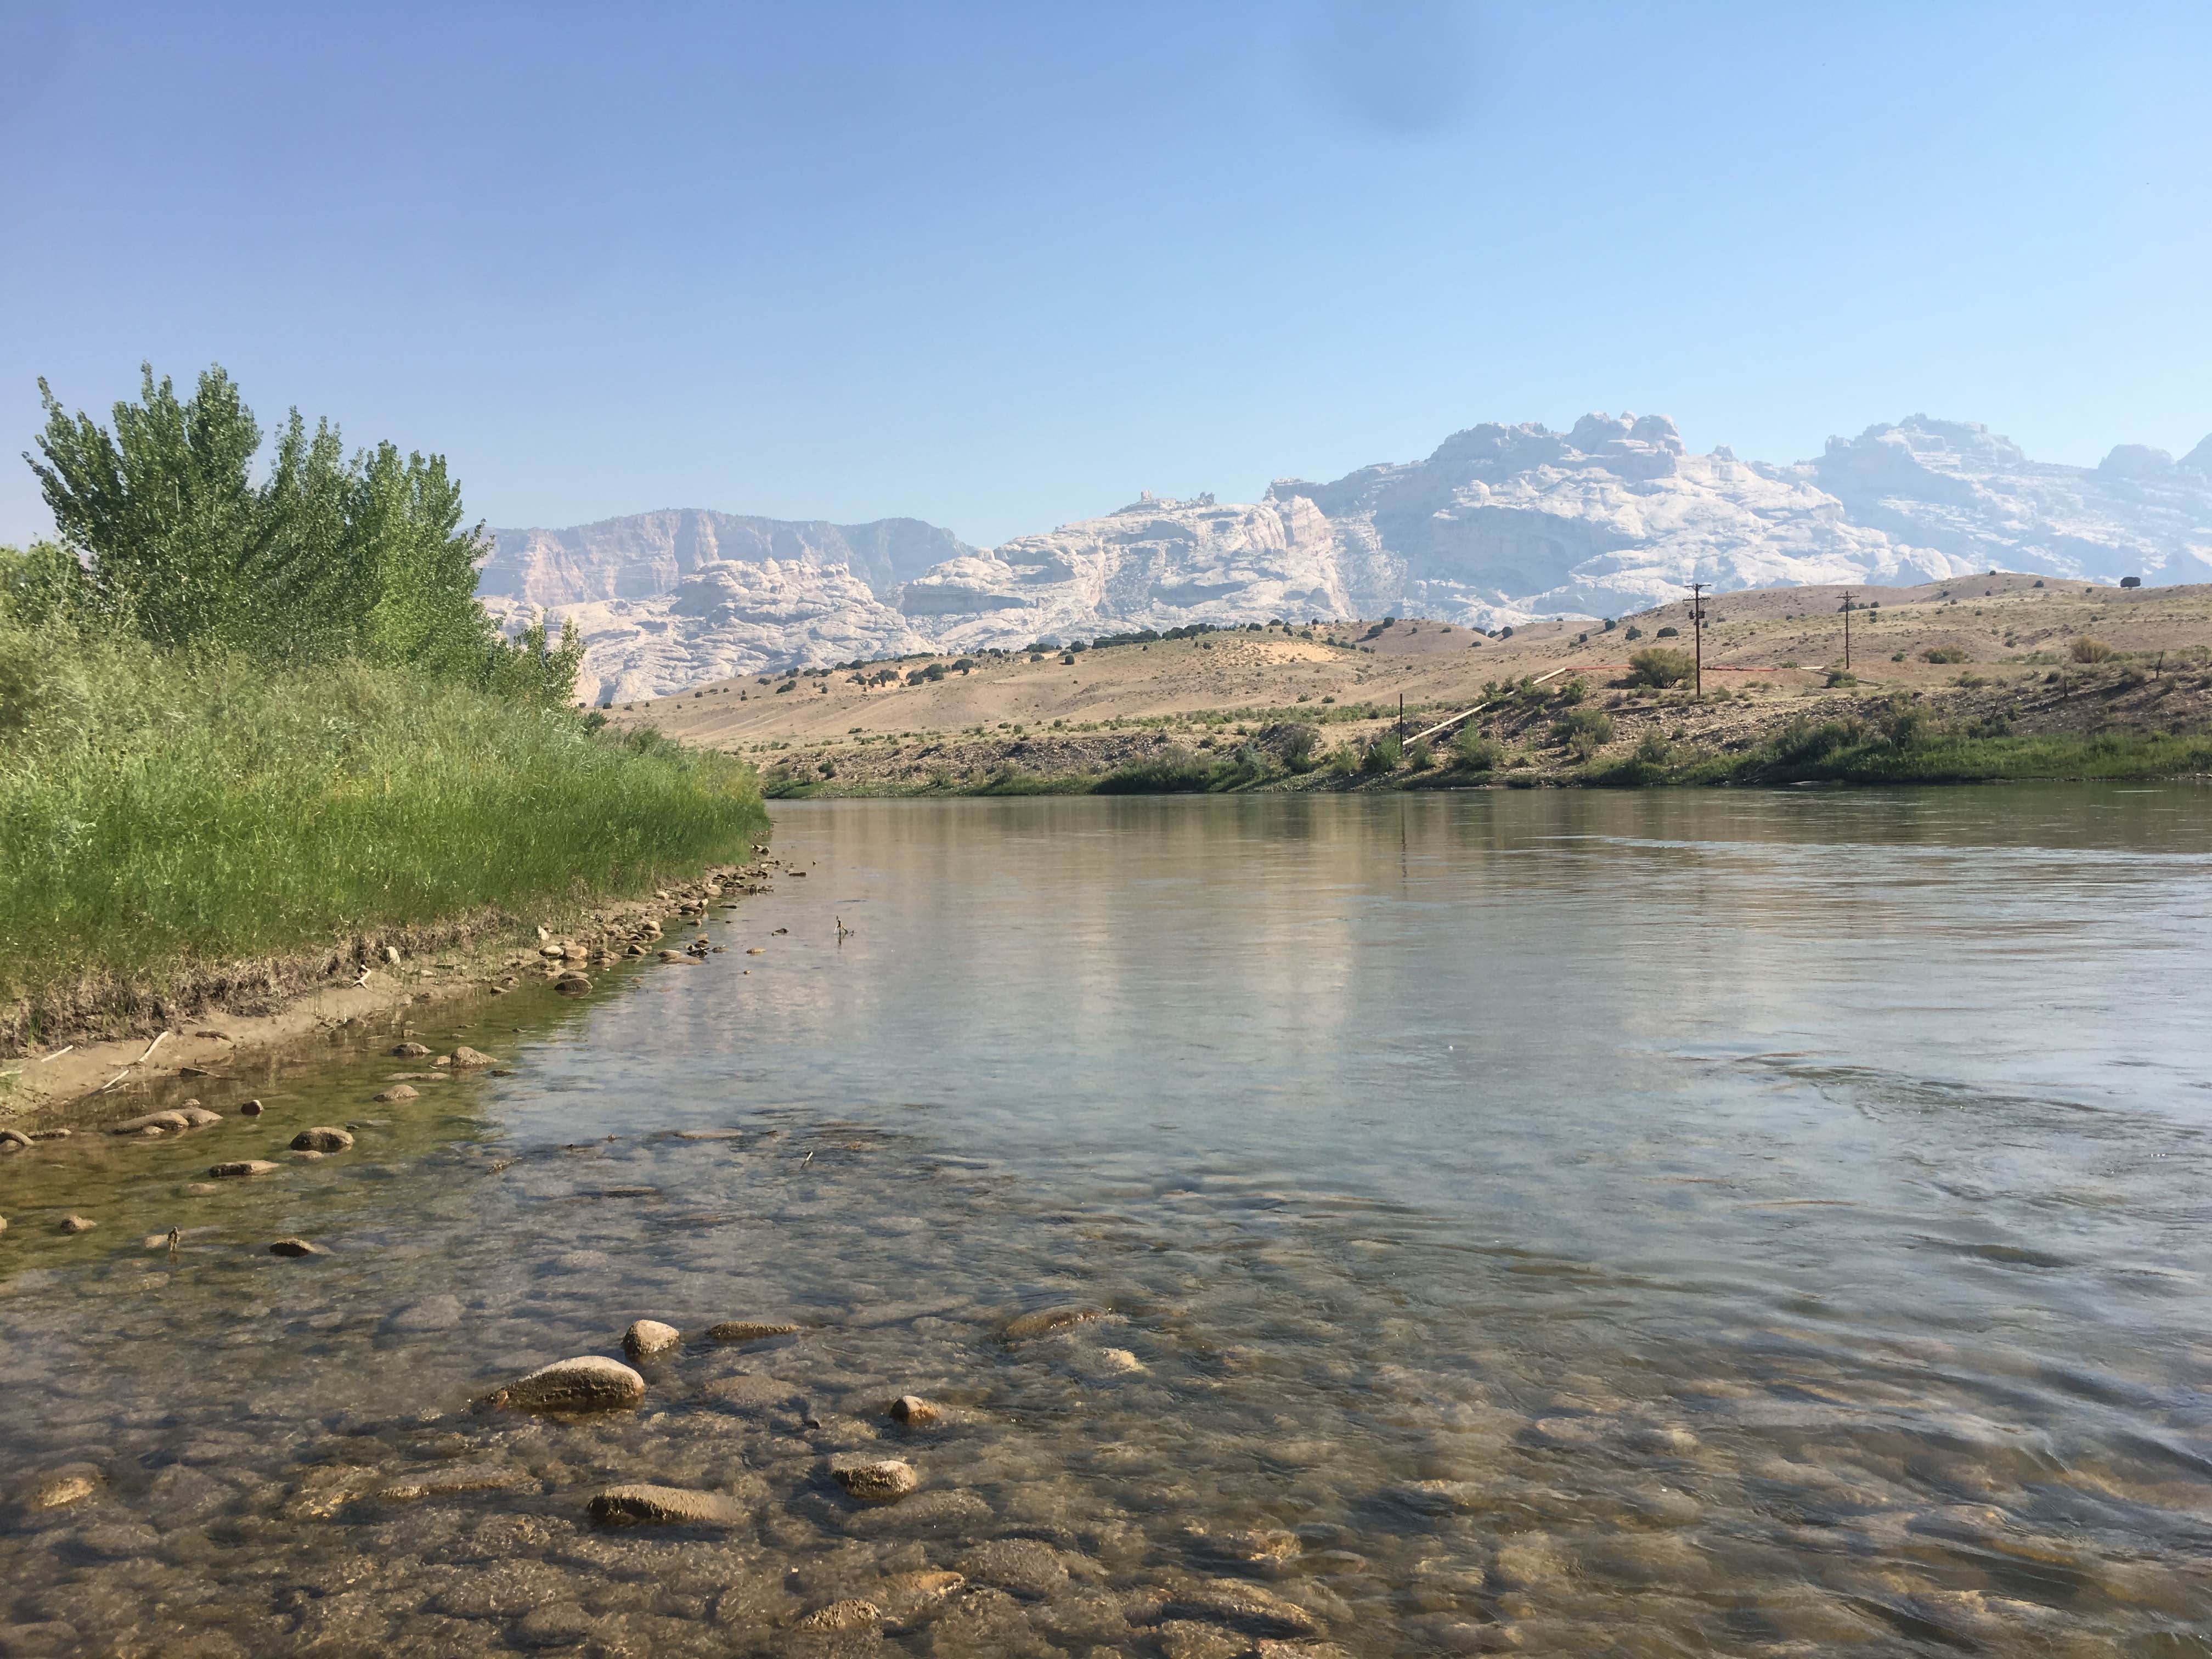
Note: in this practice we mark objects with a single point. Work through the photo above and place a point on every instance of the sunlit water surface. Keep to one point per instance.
(1662, 1223)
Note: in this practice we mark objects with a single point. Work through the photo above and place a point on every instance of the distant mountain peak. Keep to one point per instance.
(1499, 523)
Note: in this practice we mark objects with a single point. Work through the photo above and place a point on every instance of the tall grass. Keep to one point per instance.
(159, 811)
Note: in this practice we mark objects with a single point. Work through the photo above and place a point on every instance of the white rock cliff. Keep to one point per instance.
(1499, 525)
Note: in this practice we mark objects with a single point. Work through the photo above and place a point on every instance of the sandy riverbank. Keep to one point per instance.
(222, 1018)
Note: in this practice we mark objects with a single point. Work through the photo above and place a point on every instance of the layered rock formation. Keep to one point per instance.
(1500, 524)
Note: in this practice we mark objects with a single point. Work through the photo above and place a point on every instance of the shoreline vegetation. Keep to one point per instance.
(1564, 736)
(244, 724)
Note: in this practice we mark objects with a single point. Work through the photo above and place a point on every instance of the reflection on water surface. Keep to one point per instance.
(1567, 1224)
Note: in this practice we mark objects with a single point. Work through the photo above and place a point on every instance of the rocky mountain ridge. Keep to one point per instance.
(1499, 525)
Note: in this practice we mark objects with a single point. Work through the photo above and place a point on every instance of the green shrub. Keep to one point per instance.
(1584, 730)
(1570, 690)
(1473, 752)
(1382, 755)
(2089, 648)
(1292, 743)
(1946, 654)
(1661, 665)
(1419, 756)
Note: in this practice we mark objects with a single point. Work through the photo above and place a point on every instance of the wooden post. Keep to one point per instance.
(1847, 630)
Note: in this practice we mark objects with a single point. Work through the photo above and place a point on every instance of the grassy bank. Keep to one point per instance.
(162, 811)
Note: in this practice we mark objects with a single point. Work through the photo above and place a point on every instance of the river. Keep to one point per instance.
(1562, 1222)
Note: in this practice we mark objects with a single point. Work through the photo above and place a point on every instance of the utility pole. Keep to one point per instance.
(1847, 630)
(1698, 629)
(1401, 719)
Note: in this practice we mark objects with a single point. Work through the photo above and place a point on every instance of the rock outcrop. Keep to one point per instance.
(1499, 525)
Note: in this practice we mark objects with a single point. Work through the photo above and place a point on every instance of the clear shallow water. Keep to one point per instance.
(1766, 1223)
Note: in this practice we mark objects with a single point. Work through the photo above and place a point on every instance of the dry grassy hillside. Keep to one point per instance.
(2001, 643)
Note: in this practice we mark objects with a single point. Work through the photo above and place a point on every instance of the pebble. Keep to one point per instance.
(881, 1480)
(397, 1092)
(1048, 1320)
(410, 1050)
(246, 1166)
(750, 1330)
(590, 1382)
(649, 1336)
(296, 1246)
(914, 1410)
(322, 1138)
(854, 1614)
(77, 1224)
(4, 1224)
(666, 1506)
(674, 955)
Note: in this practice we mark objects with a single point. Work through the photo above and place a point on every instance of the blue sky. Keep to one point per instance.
(1002, 267)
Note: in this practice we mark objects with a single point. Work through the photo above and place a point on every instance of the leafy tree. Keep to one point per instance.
(168, 535)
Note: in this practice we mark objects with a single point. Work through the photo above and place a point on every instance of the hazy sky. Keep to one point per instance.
(1001, 267)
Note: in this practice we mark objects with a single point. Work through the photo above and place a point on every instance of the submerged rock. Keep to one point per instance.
(914, 1410)
(1045, 1321)
(71, 1484)
(296, 1246)
(466, 1056)
(397, 1092)
(249, 1109)
(244, 1166)
(1020, 1564)
(903, 1595)
(1244, 1606)
(590, 1382)
(76, 1223)
(854, 1614)
(751, 1330)
(322, 1138)
(158, 1121)
(751, 1393)
(675, 1506)
(14, 1140)
(410, 1050)
(649, 1336)
(1435, 1496)
(881, 1480)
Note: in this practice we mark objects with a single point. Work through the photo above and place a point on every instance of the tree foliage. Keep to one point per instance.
(168, 535)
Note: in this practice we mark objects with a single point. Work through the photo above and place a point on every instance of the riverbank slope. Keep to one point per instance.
(2006, 675)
